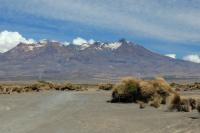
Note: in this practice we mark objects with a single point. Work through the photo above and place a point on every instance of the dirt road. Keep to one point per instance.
(87, 112)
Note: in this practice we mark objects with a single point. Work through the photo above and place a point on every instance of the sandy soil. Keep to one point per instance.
(87, 112)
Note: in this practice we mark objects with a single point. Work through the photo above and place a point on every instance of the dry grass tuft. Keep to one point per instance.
(39, 86)
(198, 105)
(126, 90)
(154, 92)
(157, 100)
(70, 87)
(186, 87)
(183, 104)
(141, 105)
(106, 87)
(173, 101)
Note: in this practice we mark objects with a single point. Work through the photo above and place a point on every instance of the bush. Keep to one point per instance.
(142, 105)
(193, 103)
(155, 104)
(156, 101)
(198, 108)
(106, 86)
(132, 89)
(69, 86)
(183, 104)
(39, 86)
(126, 90)
(146, 91)
(173, 101)
(1, 89)
(154, 92)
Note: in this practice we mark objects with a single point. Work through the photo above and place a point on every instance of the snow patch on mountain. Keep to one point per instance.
(43, 41)
(114, 45)
(82, 42)
(91, 41)
(31, 47)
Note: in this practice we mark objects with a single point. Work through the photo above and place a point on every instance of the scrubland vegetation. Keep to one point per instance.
(40, 86)
(186, 87)
(154, 93)
(106, 87)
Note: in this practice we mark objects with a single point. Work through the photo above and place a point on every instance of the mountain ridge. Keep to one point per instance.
(89, 62)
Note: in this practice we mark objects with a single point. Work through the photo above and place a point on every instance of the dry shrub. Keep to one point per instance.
(146, 91)
(106, 86)
(193, 103)
(17, 89)
(44, 85)
(157, 100)
(1, 90)
(131, 89)
(173, 101)
(69, 86)
(155, 104)
(198, 107)
(183, 104)
(141, 105)
(177, 89)
(157, 90)
(126, 90)
(30, 88)
(186, 87)
(39, 86)
(6, 90)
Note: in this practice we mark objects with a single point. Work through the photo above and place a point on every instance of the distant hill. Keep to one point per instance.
(99, 61)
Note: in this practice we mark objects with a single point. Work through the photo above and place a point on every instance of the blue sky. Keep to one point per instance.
(163, 26)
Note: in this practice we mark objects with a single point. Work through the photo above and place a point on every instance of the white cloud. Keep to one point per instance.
(174, 20)
(82, 42)
(91, 41)
(79, 41)
(9, 40)
(66, 43)
(192, 58)
(171, 56)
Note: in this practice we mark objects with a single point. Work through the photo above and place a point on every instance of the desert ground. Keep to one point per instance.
(88, 112)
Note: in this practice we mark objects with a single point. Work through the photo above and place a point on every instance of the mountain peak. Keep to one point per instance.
(91, 61)
(43, 41)
(123, 40)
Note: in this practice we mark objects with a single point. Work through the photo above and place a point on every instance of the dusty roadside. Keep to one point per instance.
(87, 112)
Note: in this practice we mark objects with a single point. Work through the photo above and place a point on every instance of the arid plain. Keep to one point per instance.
(88, 111)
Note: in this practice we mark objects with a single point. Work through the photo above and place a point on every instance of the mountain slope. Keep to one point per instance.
(89, 62)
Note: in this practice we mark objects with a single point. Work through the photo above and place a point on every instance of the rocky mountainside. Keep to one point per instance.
(89, 62)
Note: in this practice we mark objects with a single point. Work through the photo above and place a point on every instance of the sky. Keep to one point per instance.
(168, 27)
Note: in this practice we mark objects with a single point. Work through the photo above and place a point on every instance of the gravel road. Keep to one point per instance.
(87, 112)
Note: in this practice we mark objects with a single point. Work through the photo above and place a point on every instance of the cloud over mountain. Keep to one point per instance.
(171, 56)
(9, 40)
(192, 58)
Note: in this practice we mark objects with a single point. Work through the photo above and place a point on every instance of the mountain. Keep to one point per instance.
(100, 61)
